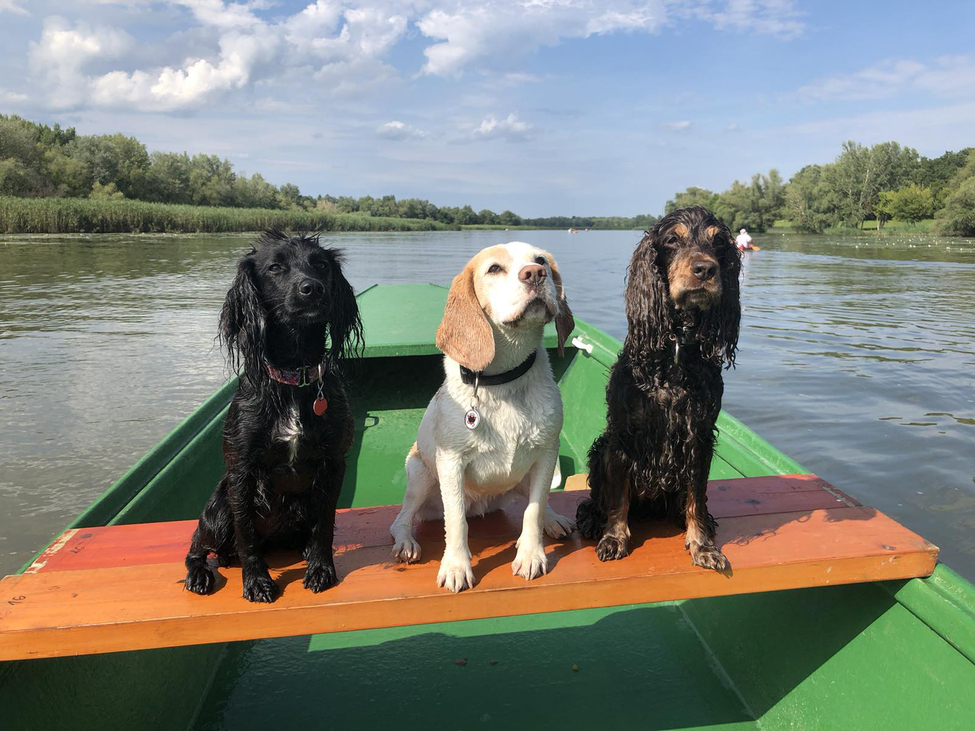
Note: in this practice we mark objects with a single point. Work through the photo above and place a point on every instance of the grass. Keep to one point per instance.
(83, 215)
(925, 226)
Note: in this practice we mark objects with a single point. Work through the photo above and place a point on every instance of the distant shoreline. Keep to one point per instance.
(86, 215)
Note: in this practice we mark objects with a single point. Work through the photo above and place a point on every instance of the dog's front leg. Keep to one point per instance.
(320, 573)
(701, 528)
(530, 561)
(456, 572)
(243, 488)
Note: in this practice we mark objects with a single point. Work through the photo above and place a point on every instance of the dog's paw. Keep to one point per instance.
(708, 556)
(530, 561)
(199, 580)
(319, 577)
(260, 588)
(611, 548)
(406, 549)
(588, 522)
(456, 573)
(557, 526)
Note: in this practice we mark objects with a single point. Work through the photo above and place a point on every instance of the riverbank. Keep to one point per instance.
(84, 215)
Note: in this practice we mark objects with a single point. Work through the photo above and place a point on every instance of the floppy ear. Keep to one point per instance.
(242, 322)
(648, 308)
(465, 333)
(564, 323)
(345, 324)
(729, 309)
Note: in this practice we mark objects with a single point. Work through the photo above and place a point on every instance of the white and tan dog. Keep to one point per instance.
(492, 325)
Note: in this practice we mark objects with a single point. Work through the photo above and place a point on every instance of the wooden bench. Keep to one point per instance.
(119, 588)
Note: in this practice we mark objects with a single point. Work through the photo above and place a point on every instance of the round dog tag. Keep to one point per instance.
(320, 406)
(472, 418)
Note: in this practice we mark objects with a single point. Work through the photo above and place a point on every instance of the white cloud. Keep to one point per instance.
(948, 76)
(12, 97)
(195, 81)
(340, 45)
(60, 56)
(510, 128)
(683, 125)
(772, 17)
(397, 130)
(472, 33)
(12, 6)
(222, 15)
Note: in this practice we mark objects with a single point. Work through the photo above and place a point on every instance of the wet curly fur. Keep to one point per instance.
(654, 456)
(289, 306)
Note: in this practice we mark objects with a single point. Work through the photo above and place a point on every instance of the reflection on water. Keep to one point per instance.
(856, 358)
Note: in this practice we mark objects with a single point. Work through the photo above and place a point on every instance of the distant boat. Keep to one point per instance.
(573, 230)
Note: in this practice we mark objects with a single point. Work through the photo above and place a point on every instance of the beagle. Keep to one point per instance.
(492, 430)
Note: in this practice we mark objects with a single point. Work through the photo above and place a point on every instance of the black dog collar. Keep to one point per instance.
(471, 377)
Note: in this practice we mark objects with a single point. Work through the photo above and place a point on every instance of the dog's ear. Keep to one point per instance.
(345, 324)
(465, 333)
(564, 323)
(729, 309)
(648, 308)
(243, 321)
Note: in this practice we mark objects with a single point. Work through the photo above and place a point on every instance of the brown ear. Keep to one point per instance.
(465, 333)
(564, 323)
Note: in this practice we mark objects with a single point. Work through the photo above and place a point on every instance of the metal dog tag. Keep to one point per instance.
(473, 417)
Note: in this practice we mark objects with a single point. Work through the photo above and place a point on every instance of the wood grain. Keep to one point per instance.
(120, 588)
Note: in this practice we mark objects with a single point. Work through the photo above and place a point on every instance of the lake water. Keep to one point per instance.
(857, 358)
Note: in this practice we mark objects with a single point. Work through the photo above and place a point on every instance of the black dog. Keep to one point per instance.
(289, 426)
(664, 393)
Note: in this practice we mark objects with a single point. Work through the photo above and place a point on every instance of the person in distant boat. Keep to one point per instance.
(743, 241)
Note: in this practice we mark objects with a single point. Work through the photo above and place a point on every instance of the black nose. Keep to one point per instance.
(704, 269)
(311, 287)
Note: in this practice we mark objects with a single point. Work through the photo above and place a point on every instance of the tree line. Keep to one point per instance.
(878, 183)
(41, 161)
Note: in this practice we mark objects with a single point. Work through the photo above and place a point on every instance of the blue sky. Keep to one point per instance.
(543, 107)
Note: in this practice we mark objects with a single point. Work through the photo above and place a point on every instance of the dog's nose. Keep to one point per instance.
(704, 269)
(311, 287)
(533, 274)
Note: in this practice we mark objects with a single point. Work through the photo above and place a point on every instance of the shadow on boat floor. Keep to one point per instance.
(652, 667)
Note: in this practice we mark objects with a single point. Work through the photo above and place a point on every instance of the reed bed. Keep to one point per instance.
(83, 215)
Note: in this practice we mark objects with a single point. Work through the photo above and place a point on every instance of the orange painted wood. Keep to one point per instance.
(127, 603)
(148, 543)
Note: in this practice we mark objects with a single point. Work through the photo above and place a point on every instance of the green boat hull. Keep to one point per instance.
(898, 655)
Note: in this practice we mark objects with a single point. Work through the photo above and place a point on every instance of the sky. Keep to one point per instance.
(543, 107)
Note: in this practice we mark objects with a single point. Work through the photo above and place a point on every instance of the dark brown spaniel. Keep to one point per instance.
(664, 393)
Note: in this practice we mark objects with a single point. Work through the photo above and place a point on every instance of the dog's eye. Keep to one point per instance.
(495, 269)
(540, 260)
(275, 268)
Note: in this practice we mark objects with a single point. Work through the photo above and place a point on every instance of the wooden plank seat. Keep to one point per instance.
(120, 587)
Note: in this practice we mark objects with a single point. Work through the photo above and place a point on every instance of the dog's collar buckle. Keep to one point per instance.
(300, 377)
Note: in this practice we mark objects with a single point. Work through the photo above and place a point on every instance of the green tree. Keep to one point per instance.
(507, 218)
(957, 218)
(107, 192)
(693, 196)
(168, 180)
(112, 159)
(211, 181)
(804, 199)
(910, 203)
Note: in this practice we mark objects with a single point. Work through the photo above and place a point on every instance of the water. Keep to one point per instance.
(857, 358)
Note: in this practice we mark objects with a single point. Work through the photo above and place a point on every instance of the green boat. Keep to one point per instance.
(896, 654)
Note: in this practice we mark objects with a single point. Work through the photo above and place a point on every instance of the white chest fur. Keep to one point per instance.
(288, 430)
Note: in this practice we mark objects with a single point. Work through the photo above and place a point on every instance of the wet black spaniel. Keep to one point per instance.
(289, 320)
(664, 392)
